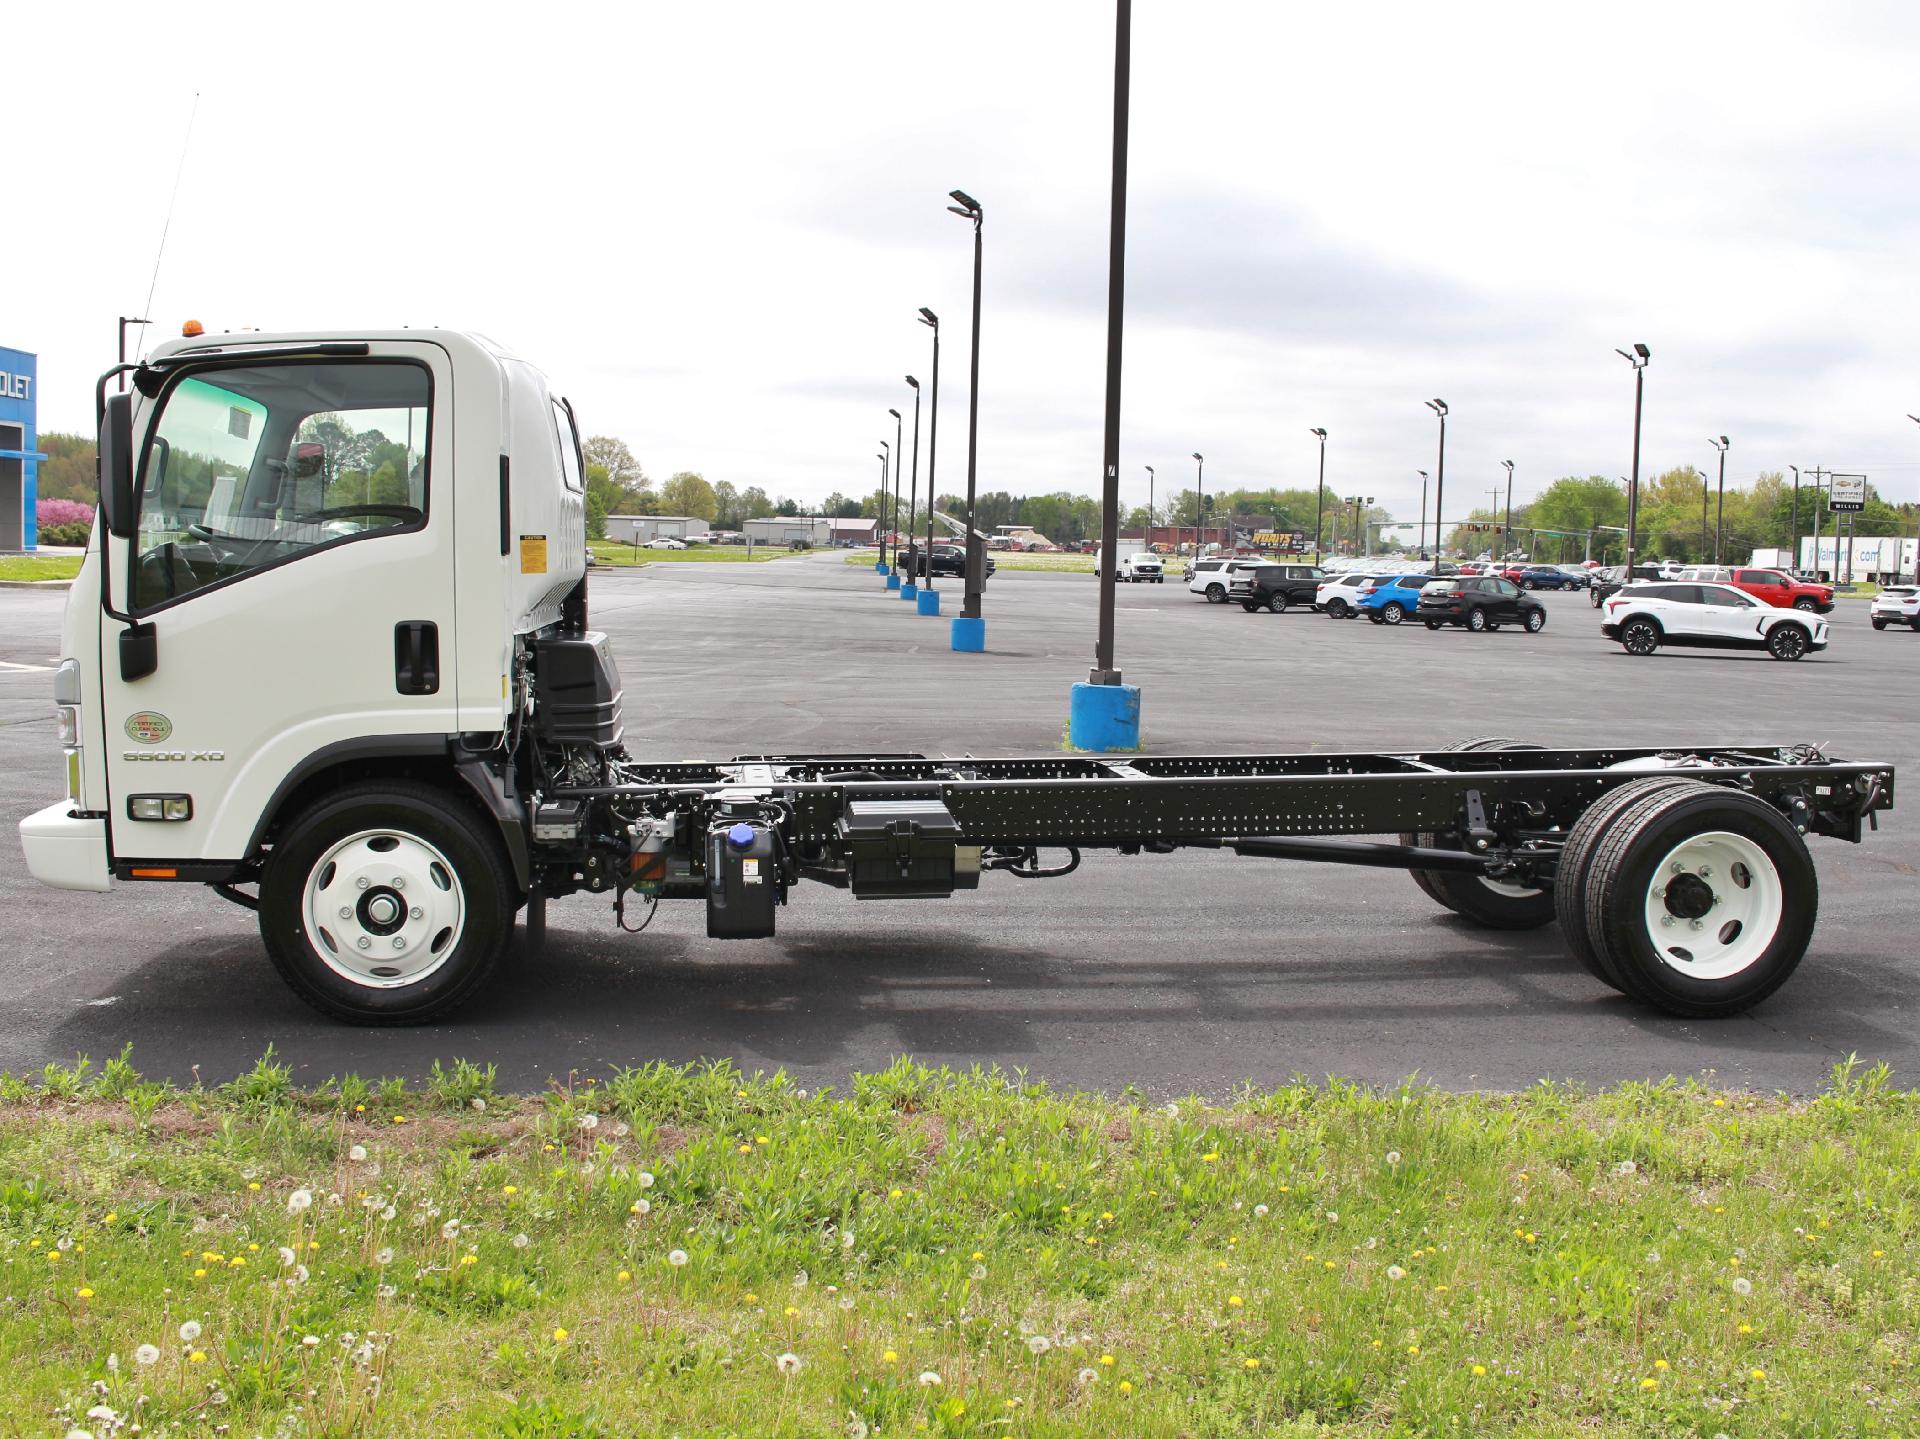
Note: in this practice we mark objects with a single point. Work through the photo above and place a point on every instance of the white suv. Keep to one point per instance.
(1336, 594)
(1896, 605)
(1212, 576)
(1645, 616)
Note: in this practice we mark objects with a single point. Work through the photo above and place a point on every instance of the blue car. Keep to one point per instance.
(1547, 577)
(1391, 598)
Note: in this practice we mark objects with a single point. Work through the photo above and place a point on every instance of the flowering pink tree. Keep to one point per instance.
(62, 512)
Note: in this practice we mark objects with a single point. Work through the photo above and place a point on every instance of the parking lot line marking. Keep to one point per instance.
(11, 667)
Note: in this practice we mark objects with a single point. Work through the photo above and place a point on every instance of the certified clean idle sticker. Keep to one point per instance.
(148, 727)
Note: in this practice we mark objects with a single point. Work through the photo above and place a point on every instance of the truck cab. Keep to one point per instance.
(316, 583)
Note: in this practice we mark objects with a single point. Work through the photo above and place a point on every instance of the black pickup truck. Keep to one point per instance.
(1274, 587)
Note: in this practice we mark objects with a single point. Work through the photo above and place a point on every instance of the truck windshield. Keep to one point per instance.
(251, 466)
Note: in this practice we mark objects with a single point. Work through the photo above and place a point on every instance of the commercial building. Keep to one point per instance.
(638, 529)
(19, 449)
(810, 530)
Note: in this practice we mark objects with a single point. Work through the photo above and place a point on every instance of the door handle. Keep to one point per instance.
(416, 657)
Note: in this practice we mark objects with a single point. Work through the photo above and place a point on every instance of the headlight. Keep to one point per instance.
(66, 723)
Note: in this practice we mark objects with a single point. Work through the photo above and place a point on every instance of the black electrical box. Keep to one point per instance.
(576, 690)
(743, 880)
(906, 849)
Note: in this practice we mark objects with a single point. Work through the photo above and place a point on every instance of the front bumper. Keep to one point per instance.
(1612, 632)
(65, 850)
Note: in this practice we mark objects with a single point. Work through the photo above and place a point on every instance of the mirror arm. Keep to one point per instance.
(139, 647)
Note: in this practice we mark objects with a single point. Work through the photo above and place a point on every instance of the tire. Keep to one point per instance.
(1491, 904)
(1277, 604)
(1373, 617)
(1576, 860)
(1476, 619)
(1788, 642)
(444, 849)
(1392, 613)
(1640, 637)
(1216, 594)
(1434, 624)
(1878, 624)
(1593, 599)
(1337, 609)
(1526, 584)
(1535, 621)
(1670, 868)
(1806, 606)
(1248, 608)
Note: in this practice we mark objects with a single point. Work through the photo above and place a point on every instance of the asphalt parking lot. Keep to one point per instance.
(1178, 973)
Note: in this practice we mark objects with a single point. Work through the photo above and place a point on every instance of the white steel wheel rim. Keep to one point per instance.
(1714, 905)
(383, 909)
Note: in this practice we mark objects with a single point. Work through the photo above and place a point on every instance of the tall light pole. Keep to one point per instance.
(1319, 494)
(885, 450)
(1439, 407)
(1638, 359)
(1199, 502)
(893, 509)
(1493, 516)
(1506, 530)
(932, 322)
(1422, 551)
(1793, 565)
(1720, 511)
(968, 208)
(1149, 507)
(908, 590)
(1701, 474)
(1916, 527)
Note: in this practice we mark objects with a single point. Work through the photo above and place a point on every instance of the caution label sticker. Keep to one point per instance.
(533, 554)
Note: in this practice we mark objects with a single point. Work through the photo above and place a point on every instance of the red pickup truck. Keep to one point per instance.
(1775, 587)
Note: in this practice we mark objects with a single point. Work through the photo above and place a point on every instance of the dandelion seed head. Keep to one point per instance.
(287, 1257)
(383, 1257)
(190, 1331)
(929, 1379)
(520, 1241)
(1260, 1211)
(146, 1355)
(1393, 1156)
(357, 1153)
(1394, 1271)
(1086, 1377)
(787, 1363)
(310, 1341)
(1039, 1344)
(300, 1201)
(1743, 1285)
(677, 1258)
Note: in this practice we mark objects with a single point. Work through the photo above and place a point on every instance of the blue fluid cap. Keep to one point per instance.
(741, 836)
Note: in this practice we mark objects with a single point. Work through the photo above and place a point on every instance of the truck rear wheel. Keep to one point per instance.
(1576, 862)
(1490, 903)
(386, 903)
(1700, 899)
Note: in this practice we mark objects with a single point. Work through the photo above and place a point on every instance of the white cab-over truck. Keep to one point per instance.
(329, 655)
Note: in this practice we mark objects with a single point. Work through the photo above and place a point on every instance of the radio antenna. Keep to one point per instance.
(167, 224)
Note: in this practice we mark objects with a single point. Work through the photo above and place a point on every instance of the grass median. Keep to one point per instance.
(699, 1252)
(612, 552)
(39, 567)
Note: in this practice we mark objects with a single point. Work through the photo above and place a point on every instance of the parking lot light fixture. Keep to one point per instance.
(932, 322)
(974, 581)
(1422, 551)
(1320, 494)
(1439, 407)
(892, 502)
(908, 590)
(1720, 511)
(1149, 470)
(1638, 359)
(885, 450)
(1506, 530)
(1199, 502)
(1916, 528)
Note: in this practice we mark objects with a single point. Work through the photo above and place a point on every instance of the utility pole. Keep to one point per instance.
(1422, 551)
(1638, 359)
(1720, 515)
(1319, 495)
(1507, 529)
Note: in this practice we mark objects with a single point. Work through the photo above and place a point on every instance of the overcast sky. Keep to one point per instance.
(712, 225)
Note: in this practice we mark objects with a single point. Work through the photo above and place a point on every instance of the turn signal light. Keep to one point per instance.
(160, 806)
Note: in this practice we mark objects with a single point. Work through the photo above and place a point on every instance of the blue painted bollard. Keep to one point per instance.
(893, 582)
(908, 590)
(880, 566)
(1103, 718)
(929, 602)
(969, 635)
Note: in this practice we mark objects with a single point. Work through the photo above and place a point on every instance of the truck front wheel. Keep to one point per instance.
(386, 903)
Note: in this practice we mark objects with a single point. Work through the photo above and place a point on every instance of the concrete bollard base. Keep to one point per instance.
(969, 636)
(1104, 718)
(929, 602)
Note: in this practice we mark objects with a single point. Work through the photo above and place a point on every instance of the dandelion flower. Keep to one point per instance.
(1746, 1329)
(310, 1341)
(1234, 1301)
(896, 1193)
(357, 1153)
(589, 1121)
(624, 1275)
(190, 1331)
(1662, 1365)
(83, 1293)
(300, 1201)
(890, 1358)
(1756, 1374)
(383, 1257)
(1213, 1158)
(979, 1271)
(1250, 1363)
(1393, 1156)
(1479, 1371)
(253, 1186)
(1394, 1271)
(1126, 1386)
(559, 1336)
(1626, 1169)
(787, 1363)
(1649, 1384)
(856, 1428)
(677, 1258)
(450, 1230)
(1333, 1216)
(1038, 1344)
(1086, 1377)
(287, 1257)
(929, 1379)
(79, 1434)
(800, 1279)
(1260, 1211)
(645, 1179)
(146, 1355)
(510, 1190)
(749, 1298)
(197, 1357)
(1743, 1285)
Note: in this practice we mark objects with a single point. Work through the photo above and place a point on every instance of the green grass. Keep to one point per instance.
(613, 552)
(39, 567)
(635, 1256)
(1074, 564)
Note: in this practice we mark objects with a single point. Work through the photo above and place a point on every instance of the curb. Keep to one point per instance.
(36, 584)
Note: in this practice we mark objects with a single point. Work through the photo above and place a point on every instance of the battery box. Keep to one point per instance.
(906, 849)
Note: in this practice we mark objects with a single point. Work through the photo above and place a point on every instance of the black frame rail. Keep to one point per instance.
(1507, 797)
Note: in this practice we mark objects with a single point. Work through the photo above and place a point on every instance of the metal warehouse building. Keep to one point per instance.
(638, 529)
(19, 453)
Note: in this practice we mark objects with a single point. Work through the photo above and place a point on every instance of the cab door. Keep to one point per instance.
(294, 555)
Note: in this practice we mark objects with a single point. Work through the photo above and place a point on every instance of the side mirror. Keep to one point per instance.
(116, 465)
